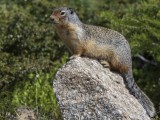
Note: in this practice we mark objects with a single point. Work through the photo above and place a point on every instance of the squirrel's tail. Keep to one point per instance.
(139, 94)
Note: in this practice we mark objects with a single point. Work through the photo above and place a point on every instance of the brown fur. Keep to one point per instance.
(90, 48)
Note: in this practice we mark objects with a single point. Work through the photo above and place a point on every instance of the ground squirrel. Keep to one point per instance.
(99, 43)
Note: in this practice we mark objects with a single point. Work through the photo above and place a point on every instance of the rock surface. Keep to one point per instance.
(85, 90)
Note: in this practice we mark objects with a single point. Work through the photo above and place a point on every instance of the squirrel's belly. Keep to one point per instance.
(92, 49)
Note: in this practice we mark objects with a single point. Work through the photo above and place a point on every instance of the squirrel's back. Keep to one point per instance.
(114, 41)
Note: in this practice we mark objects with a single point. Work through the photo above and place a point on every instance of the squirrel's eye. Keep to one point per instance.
(62, 13)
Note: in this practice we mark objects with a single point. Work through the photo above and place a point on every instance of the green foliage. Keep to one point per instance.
(28, 45)
(25, 40)
(38, 94)
(31, 52)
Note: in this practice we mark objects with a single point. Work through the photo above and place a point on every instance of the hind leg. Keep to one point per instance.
(116, 64)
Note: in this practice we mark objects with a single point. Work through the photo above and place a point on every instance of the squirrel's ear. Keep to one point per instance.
(71, 10)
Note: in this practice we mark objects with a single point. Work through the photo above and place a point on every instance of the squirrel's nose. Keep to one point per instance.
(54, 19)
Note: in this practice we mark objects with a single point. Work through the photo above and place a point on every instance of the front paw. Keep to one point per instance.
(104, 63)
(74, 57)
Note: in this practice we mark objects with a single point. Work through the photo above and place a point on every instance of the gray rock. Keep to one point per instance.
(85, 90)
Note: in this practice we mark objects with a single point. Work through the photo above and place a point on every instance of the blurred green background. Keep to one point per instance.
(31, 52)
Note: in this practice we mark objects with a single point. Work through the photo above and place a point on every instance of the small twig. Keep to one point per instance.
(36, 78)
(17, 113)
(146, 60)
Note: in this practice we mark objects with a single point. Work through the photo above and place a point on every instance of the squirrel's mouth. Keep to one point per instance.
(54, 20)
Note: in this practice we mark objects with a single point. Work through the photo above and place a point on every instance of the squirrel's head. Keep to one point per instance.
(63, 16)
